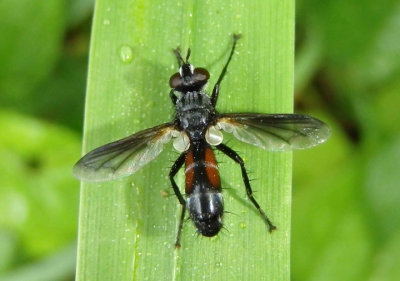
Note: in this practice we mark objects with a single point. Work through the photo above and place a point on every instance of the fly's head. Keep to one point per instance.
(189, 78)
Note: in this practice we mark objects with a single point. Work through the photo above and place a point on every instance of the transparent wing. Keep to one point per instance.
(275, 131)
(125, 156)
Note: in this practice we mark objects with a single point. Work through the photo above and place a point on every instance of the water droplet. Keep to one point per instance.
(126, 54)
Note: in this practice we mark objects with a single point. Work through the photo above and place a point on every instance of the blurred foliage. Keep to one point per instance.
(346, 223)
(43, 54)
(345, 215)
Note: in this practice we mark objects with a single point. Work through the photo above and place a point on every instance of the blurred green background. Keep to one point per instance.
(346, 193)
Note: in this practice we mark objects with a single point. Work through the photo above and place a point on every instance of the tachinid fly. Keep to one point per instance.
(197, 128)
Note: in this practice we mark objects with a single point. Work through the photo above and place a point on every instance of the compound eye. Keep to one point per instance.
(201, 74)
(175, 80)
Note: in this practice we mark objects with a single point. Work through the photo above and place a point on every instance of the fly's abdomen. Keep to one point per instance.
(203, 189)
(206, 210)
(201, 170)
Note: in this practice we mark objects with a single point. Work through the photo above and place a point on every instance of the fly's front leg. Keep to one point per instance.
(174, 170)
(235, 157)
(215, 92)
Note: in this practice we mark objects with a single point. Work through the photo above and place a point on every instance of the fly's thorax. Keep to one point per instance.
(194, 111)
(206, 210)
(193, 100)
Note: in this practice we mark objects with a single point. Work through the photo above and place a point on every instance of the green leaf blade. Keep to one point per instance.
(128, 227)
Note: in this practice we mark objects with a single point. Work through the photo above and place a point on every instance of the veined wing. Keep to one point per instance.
(125, 156)
(275, 131)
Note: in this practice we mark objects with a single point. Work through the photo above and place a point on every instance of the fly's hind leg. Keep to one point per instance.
(235, 157)
(174, 170)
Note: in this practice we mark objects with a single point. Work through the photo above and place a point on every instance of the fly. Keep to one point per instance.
(195, 131)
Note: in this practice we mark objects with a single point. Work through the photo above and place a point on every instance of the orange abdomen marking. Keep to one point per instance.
(189, 171)
(211, 168)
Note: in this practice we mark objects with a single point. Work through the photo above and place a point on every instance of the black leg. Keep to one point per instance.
(215, 91)
(172, 96)
(178, 235)
(174, 170)
(235, 157)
